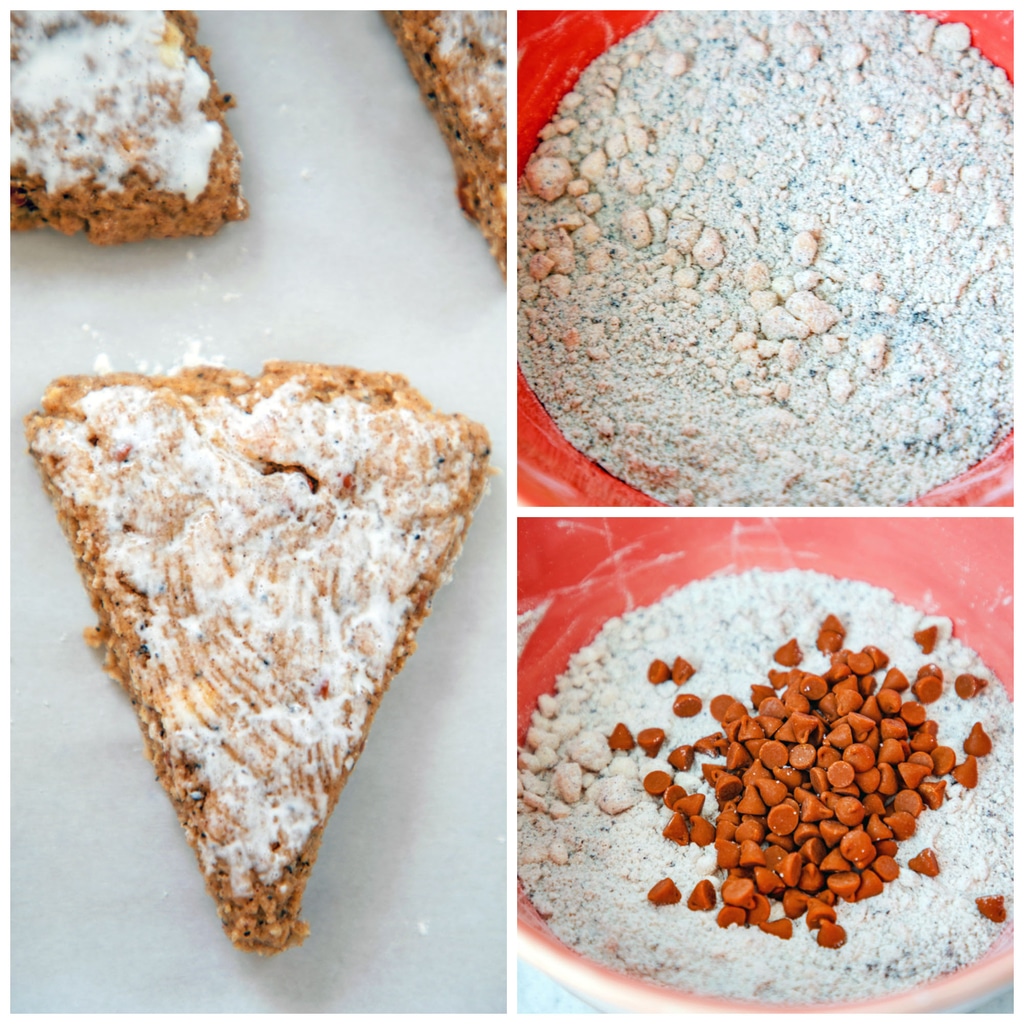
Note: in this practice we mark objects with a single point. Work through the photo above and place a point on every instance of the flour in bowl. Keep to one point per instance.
(766, 258)
(590, 838)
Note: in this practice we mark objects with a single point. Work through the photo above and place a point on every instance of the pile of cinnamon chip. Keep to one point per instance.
(820, 784)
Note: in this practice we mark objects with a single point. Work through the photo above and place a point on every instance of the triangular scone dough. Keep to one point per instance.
(260, 552)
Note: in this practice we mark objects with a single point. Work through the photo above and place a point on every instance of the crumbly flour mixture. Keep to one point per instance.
(766, 258)
(590, 843)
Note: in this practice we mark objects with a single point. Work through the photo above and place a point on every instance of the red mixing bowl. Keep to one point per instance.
(585, 571)
(554, 48)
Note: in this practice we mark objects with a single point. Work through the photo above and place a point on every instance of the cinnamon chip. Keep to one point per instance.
(967, 773)
(833, 624)
(925, 863)
(870, 885)
(861, 664)
(727, 787)
(789, 654)
(702, 897)
(681, 758)
(978, 743)
(672, 795)
(932, 793)
(879, 657)
(783, 819)
(621, 738)
(720, 704)
(657, 782)
(686, 705)
(895, 680)
(943, 760)
(664, 893)
(926, 638)
(782, 929)
(702, 832)
(658, 672)
(692, 804)
(709, 744)
(681, 671)
(831, 936)
(903, 825)
(731, 915)
(818, 912)
(677, 831)
(912, 774)
(967, 686)
(992, 907)
(650, 741)
(886, 868)
(738, 892)
(928, 689)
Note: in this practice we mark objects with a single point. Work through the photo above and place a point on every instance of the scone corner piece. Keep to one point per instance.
(118, 127)
(458, 59)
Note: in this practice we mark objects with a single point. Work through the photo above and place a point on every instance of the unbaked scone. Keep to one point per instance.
(260, 553)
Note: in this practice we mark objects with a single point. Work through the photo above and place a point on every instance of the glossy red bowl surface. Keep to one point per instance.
(554, 48)
(585, 571)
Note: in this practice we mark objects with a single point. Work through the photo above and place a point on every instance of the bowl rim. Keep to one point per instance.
(591, 981)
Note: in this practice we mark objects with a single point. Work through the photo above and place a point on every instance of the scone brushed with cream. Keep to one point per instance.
(458, 58)
(260, 552)
(118, 127)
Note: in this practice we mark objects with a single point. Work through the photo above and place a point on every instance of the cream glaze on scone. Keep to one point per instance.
(126, 95)
(118, 127)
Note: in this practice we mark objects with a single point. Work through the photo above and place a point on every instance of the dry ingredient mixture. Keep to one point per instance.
(601, 854)
(766, 258)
